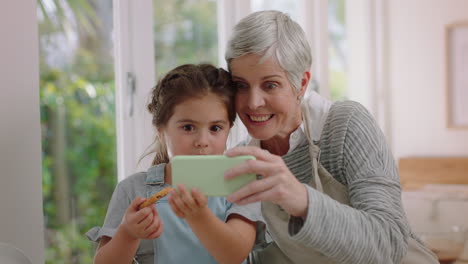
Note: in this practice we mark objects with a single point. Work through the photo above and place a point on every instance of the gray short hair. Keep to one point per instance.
(272, 33)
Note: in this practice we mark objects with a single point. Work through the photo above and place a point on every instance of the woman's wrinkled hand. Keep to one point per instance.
(277, 184)
(187, 204)
(141, 223)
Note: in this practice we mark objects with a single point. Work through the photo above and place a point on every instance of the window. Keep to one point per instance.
(184, 32)
(328, 71)
(77, 118)
(289, 7)
(152, 37)
(82, 106)
(337, 49)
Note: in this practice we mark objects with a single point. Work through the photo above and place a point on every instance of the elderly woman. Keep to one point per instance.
(329, 187)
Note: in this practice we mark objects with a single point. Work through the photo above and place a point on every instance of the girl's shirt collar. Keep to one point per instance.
(155, 174)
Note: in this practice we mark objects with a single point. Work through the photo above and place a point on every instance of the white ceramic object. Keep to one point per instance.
(10, 254)
(437, 207)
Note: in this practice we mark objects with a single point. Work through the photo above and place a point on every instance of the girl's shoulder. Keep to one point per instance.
(135, 179)
(138, 184)
(154, 175)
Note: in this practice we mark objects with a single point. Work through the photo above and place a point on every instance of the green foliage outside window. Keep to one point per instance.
(79, 161)
(337, 52)
(185, 32)
(79, 170)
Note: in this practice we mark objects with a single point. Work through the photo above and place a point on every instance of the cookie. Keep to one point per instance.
(155, 197)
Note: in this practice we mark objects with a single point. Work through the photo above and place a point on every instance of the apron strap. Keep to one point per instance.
(314, 150)
(314, 156)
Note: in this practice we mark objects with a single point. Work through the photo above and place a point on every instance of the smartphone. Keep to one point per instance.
(206, 173)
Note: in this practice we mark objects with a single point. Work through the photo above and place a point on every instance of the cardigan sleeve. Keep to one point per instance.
(374, 228)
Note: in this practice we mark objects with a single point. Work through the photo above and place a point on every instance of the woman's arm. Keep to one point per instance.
(136, 225)
(227, 242)
(374, 228)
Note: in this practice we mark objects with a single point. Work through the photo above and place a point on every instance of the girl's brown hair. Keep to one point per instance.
(182, 83)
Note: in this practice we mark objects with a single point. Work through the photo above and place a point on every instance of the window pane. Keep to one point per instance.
(338, 60)
(290, 7)
(185, 31)
(78, 123)
(293, 9)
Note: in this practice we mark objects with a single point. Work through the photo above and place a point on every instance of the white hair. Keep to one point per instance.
(272, 33)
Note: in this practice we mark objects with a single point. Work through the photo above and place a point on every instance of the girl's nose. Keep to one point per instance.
(202, 140)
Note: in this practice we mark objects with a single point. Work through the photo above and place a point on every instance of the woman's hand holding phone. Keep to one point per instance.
(277, 185)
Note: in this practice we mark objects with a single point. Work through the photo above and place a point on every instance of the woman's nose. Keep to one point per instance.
(255, 99)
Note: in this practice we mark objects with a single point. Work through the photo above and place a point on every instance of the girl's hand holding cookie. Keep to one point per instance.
(187, 204)
(141, 223)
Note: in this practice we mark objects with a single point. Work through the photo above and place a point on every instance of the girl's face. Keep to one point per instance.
(199, 126)
(266, 101)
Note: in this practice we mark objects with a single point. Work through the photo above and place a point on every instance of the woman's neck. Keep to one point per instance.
(276, 145)
(279, 144)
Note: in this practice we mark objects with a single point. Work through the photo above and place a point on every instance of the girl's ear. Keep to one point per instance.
(304, 83)
(160, 134)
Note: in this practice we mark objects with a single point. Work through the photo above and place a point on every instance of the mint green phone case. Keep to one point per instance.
(206, 173)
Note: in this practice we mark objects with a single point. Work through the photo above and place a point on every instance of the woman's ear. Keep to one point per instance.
(304, 83)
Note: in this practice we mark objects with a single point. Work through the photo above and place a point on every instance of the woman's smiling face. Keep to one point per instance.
(266, 102)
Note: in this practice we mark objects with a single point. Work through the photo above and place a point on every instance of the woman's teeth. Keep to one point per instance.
(261, 118)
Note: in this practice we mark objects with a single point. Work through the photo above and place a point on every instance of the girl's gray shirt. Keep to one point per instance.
(144, 184)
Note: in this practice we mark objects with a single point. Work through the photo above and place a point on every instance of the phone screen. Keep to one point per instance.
(206, 173)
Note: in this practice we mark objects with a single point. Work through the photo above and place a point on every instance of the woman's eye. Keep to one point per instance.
(188, 128)
(216, 128)
(270, 85)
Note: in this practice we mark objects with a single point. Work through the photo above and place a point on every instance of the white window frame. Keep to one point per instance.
(229, 13)
(134, 56)
(368, 59)
(314, 21)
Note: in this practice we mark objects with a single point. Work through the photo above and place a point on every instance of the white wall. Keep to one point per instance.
(417, 77)
(21, 222)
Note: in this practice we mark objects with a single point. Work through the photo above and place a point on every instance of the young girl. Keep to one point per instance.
(192, 109)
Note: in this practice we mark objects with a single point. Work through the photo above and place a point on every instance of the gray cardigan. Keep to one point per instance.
(354, 151)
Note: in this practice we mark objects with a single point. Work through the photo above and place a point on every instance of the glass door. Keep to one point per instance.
(77, 100)
(184, 32)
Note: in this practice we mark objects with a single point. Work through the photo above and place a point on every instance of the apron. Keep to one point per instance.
(284, 251)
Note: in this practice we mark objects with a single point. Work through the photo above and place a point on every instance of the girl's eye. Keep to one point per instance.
(188, 128)
(240, 85)
(216, 128)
